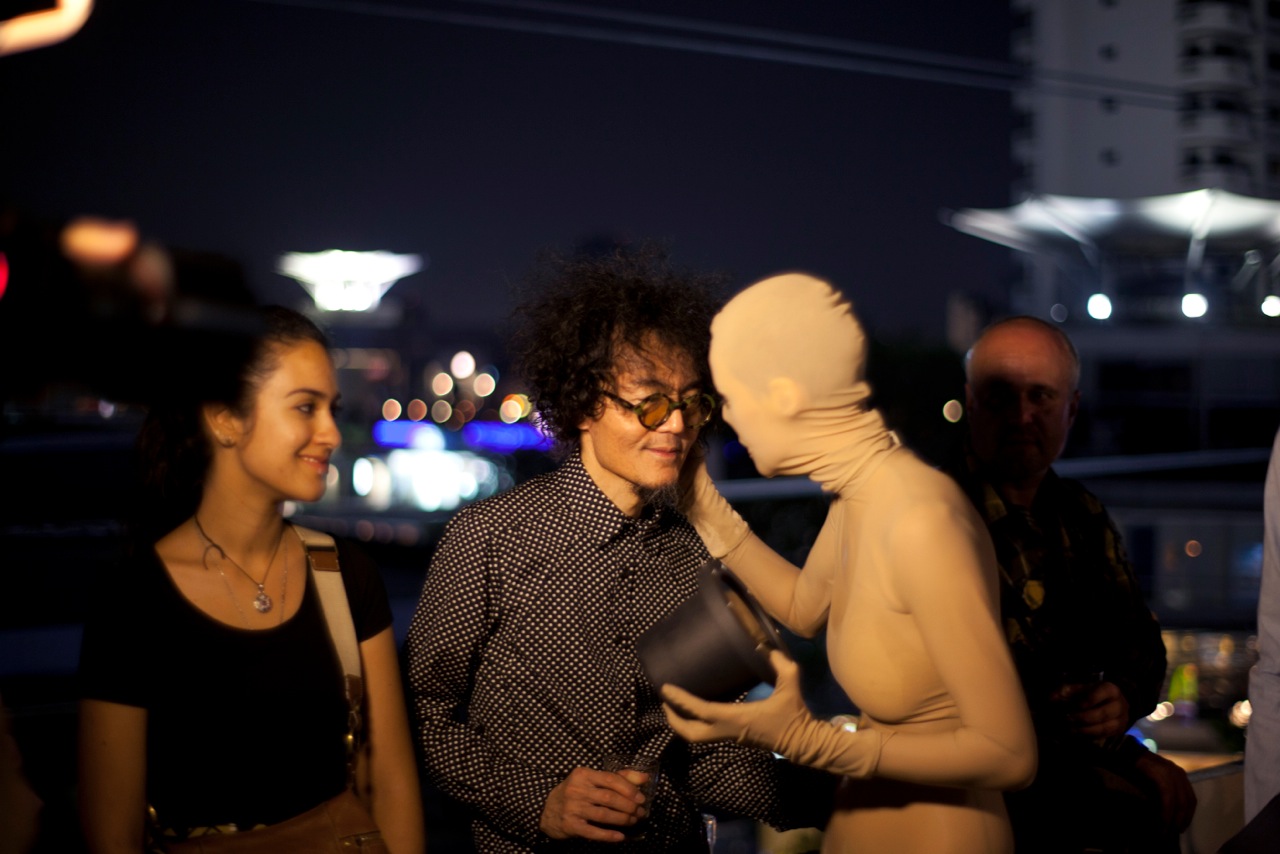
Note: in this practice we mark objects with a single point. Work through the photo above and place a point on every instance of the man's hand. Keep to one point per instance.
(1095, 711)
(1177, 798)
(588, 798)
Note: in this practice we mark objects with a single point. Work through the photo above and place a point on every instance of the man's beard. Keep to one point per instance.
(667, 496)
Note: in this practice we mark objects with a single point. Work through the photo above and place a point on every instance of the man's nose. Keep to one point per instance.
(674, 422)
(1026, 410)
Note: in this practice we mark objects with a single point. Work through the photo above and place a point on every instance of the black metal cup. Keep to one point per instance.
(717, 644)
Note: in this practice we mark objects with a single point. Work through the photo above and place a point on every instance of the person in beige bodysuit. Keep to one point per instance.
(902, 574)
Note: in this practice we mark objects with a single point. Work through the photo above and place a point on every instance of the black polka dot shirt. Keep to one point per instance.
(522, 664)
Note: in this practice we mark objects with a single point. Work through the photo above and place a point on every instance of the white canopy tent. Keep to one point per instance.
(1164, 225)
(1096, 237)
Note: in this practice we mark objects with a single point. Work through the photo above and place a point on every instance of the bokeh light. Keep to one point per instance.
(362, 476)
(441, 384)
(1099, 306)
(462, 365)
(514, 407)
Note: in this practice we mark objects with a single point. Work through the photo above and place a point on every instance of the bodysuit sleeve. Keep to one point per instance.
(800, 601)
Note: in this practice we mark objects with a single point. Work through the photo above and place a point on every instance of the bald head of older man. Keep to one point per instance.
(1022, 397)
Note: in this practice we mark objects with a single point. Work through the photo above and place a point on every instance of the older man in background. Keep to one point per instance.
(1087, 648)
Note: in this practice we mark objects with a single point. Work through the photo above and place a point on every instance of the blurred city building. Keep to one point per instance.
(1145, 221)
(430, 420)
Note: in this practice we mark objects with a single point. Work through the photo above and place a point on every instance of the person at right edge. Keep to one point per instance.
(1087, 648)
(1262, 749)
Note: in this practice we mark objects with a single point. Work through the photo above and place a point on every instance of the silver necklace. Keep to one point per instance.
(244, 618)
(284, 587)
(262, 601)
(284, 591)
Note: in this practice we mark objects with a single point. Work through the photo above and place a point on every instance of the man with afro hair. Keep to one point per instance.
(522, 661)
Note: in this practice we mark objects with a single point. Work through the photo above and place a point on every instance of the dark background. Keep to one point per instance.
(254, 128)
(477, 133)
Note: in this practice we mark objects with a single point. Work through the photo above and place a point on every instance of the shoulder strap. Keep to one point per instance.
(322, 558)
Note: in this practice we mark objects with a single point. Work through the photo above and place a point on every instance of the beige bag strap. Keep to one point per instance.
(322, 558)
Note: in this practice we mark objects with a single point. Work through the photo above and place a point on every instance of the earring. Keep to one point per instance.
(226, 441)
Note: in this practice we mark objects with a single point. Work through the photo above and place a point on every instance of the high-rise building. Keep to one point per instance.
(1148, 97)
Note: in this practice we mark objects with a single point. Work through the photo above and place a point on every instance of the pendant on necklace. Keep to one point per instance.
(262, 601)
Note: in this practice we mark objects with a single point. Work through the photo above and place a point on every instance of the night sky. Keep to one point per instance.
(252, 128)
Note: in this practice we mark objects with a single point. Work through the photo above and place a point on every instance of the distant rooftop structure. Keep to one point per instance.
(1207, 253)
(1092, 227)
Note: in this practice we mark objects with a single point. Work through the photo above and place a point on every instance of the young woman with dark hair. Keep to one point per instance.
(212, 698)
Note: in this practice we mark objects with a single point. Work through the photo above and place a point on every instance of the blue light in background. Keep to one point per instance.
(408, 434)
(504, 438)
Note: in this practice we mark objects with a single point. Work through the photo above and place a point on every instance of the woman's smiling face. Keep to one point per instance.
(286, 441)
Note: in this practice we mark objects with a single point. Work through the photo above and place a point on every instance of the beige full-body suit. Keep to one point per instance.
(902, 574)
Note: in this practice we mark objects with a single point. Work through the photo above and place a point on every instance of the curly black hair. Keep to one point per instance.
(581, 311)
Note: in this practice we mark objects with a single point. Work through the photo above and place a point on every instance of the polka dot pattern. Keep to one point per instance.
(522, 662)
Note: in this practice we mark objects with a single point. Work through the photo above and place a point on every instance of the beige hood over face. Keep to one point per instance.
(794, 343)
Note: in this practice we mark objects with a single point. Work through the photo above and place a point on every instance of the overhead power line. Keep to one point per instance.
(565, 20)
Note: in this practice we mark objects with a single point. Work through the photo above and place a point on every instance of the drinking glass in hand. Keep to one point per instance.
(643, 773)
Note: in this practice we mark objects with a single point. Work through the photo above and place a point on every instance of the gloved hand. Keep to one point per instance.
(780, 723)
(721, 528)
